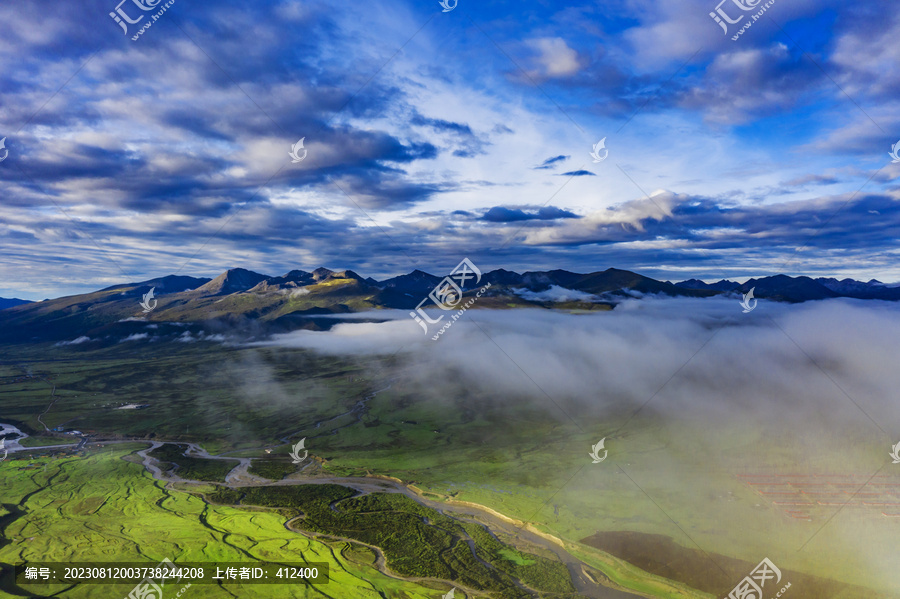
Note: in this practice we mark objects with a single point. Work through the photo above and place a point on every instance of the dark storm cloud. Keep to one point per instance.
(811, 179)
(197, 123)
(442, 125)
(383, 192)
(469, 144)
(175, 116)
(836, 224)
(500, 214)
(551, 161)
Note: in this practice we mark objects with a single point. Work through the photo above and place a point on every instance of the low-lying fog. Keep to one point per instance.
(788, 389)
(805, 361)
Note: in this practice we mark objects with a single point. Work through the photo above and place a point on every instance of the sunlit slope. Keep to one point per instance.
(103, 508)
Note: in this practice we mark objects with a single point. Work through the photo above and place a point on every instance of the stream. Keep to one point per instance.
(359, 409)
(495, 524)
(240, 477)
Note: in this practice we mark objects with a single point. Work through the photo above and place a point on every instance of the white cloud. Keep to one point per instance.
(554, 294)
(135, 337)
(76, 341)
(595, 362)
(555, 58)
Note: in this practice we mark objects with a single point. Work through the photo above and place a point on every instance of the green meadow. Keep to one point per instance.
(98, 507)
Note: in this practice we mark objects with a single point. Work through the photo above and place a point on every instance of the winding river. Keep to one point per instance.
(496, 523)
(499, 525)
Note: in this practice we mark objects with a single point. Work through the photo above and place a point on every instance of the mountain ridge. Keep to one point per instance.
(9, 302)
(240, 297)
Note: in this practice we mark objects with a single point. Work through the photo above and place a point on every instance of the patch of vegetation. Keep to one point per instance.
(46, 441)
(515, 556)
(273, 469)
(225, 496)
(193, 468)
(221, 397)
(535, 571)
(416, 540)
(102, 508)
(359, 553)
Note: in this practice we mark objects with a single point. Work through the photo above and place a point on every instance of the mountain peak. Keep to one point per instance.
(297, 274)
(348, 274)
(321, 274)
(233, 280)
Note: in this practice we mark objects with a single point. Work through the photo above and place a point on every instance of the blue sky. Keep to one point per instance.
(434, 136)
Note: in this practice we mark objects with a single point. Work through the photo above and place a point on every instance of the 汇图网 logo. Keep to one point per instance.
(724, 20)
(595, 154)
(124, 19)
(745, 303)
(751, 587)
(148, 297)
(295, 151)
(894, 153)
(151, 587)
(595, 451)
(448, 295)
(295, 452)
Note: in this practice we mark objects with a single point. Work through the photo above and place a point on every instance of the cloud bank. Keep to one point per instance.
(805, 364)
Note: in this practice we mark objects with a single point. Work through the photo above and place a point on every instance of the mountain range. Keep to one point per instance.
(298, 299)
(10, 302)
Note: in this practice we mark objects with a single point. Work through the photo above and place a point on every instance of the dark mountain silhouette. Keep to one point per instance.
(786, 289)
(10, 302)
(872, 289)
(232, 281)
(723, 285)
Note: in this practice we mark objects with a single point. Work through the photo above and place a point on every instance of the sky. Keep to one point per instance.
(430, 136)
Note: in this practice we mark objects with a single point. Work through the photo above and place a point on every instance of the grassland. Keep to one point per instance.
(273, 468)
(190, 468)
(46, 441)
(222, 397)
(99, 507)
(418, 542)
(504, 453)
